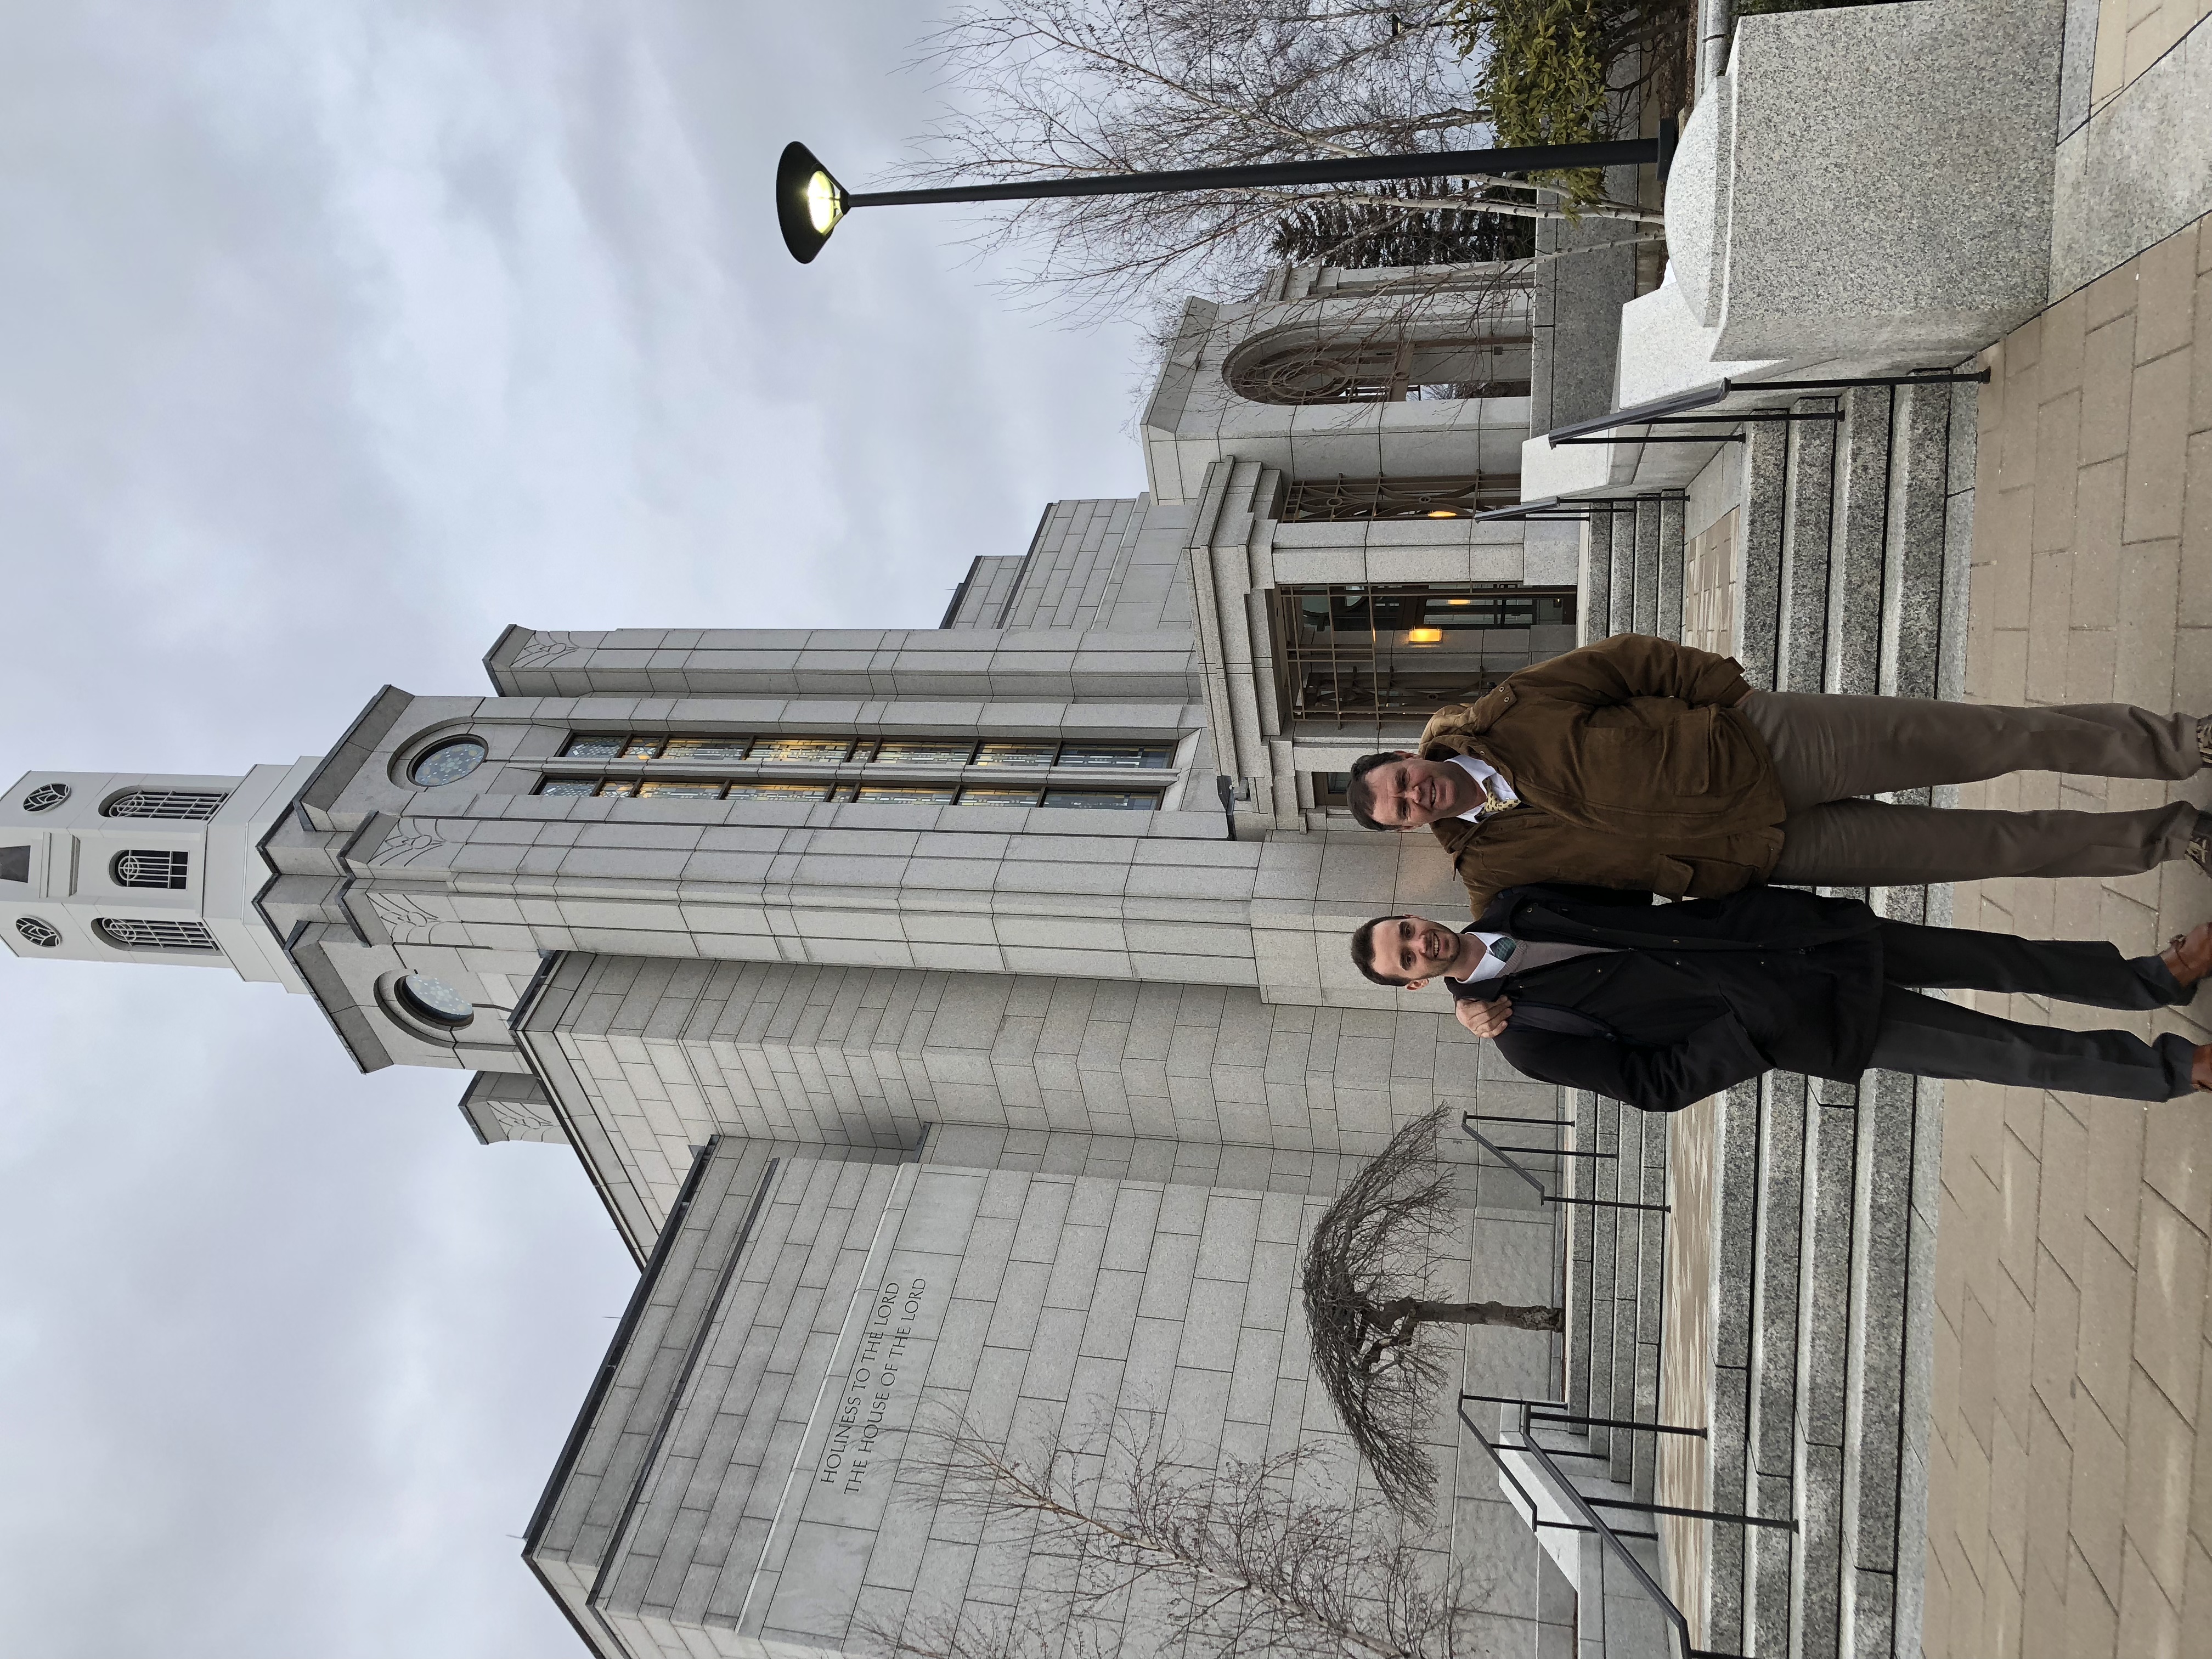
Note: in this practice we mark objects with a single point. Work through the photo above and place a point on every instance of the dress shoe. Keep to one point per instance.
(2188, 957)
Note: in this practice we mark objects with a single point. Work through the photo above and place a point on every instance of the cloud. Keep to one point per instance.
(337, 335)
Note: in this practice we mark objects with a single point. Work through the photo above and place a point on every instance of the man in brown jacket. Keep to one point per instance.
(1637, 763)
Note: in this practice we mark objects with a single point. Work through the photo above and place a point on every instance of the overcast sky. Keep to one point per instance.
(335, 335)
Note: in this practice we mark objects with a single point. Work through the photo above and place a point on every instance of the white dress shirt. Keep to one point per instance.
(1501, 954)
(1497, 793)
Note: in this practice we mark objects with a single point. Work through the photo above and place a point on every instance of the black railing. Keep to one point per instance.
(1532, 1415)
(1504, 1155)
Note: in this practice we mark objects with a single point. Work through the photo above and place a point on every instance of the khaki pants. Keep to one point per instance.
(1829, 751)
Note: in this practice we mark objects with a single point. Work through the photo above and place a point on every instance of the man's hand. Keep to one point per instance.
(1485, 1020)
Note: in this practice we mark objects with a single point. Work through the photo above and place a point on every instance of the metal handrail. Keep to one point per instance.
(1678, 404)
(1556, 1414)
(1564, 1487)
(1617, 1546)
(1504, 1155)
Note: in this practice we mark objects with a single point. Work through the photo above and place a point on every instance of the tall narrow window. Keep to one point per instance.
(133, 934)
(147, 867)
(1318, 369)
(189, 805)
(1339, 501)
(1350, 650)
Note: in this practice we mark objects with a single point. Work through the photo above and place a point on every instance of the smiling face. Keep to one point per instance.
(1409, 791)
(1416, 950)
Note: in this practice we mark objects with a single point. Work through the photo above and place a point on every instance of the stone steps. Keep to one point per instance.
(1853, 554)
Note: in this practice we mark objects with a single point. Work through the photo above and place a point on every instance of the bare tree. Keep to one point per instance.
(1376, 1346)
(1064, 88)
(1153, 1554)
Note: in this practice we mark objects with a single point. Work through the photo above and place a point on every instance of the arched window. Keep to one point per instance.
(133, 933)
(189, 805)
(151, 867)
(1314, 368)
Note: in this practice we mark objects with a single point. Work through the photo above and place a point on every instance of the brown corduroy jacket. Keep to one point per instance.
(1633, 767)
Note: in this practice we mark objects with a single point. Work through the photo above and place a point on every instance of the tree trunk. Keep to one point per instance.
(1512, 1315)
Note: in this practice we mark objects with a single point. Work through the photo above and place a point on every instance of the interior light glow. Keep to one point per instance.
(1423, 635)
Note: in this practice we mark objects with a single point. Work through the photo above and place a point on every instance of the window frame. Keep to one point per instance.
(1351, 671)
(173, 865)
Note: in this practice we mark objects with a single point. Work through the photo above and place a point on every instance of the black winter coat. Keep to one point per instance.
(1698, 996)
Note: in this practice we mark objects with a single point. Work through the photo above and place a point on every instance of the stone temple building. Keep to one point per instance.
(956, 1021)
(953, 1015)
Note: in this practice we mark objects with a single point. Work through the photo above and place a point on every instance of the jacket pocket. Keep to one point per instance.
(1671, 877)
(1667, 765)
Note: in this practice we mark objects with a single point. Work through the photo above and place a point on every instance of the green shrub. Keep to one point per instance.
(1548, 76)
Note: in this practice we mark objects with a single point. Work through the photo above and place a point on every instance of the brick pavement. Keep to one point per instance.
(2132, 35)
(2070, 1492)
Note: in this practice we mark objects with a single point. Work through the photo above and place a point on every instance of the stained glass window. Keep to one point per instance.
(801, 752)
(706, 749)
(593, 745)
(1150, 756)
(1124, 801)
(906, 794)
(1017, 754)
(921, 751)
(449, 762)
(763, 791)
(998, 796)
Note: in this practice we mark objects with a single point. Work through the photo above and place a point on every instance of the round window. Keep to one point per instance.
(449, 762)
(435, 1000)
(44, 934)
(44, 796)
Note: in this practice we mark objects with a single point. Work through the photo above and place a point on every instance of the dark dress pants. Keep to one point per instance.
(1928, 1036)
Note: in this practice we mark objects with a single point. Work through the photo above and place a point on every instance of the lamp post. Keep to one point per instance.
(810, 202)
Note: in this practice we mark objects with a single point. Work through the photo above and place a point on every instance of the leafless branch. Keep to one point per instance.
(1064, 89)
(1153, 1554)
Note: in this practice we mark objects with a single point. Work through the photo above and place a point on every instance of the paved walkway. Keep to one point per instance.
(2070, 1492)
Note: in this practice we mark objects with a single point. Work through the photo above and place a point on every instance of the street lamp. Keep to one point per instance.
(810, 202)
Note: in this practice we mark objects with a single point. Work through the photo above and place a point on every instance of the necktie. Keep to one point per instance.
(1494, 801)
(1503, 949)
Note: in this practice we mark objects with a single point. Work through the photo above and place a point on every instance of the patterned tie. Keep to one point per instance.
(1503, 949)
(1493, 802)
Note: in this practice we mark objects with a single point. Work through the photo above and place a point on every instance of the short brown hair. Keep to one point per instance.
(1363, 952)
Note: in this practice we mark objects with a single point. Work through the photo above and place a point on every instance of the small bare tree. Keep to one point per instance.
(1215, 1562)
(1068, 88)
(1376, 1346)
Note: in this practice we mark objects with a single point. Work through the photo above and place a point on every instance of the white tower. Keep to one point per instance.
(98, 867)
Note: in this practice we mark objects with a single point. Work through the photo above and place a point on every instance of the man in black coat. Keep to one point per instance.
(1659, 1005)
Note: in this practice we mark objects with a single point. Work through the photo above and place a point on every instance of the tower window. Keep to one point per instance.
(145, 867)
(133, 933)
(46, 796)
(184, 806)
(435, 1000)
(15, 864)
(449, 762)
(44, 934)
